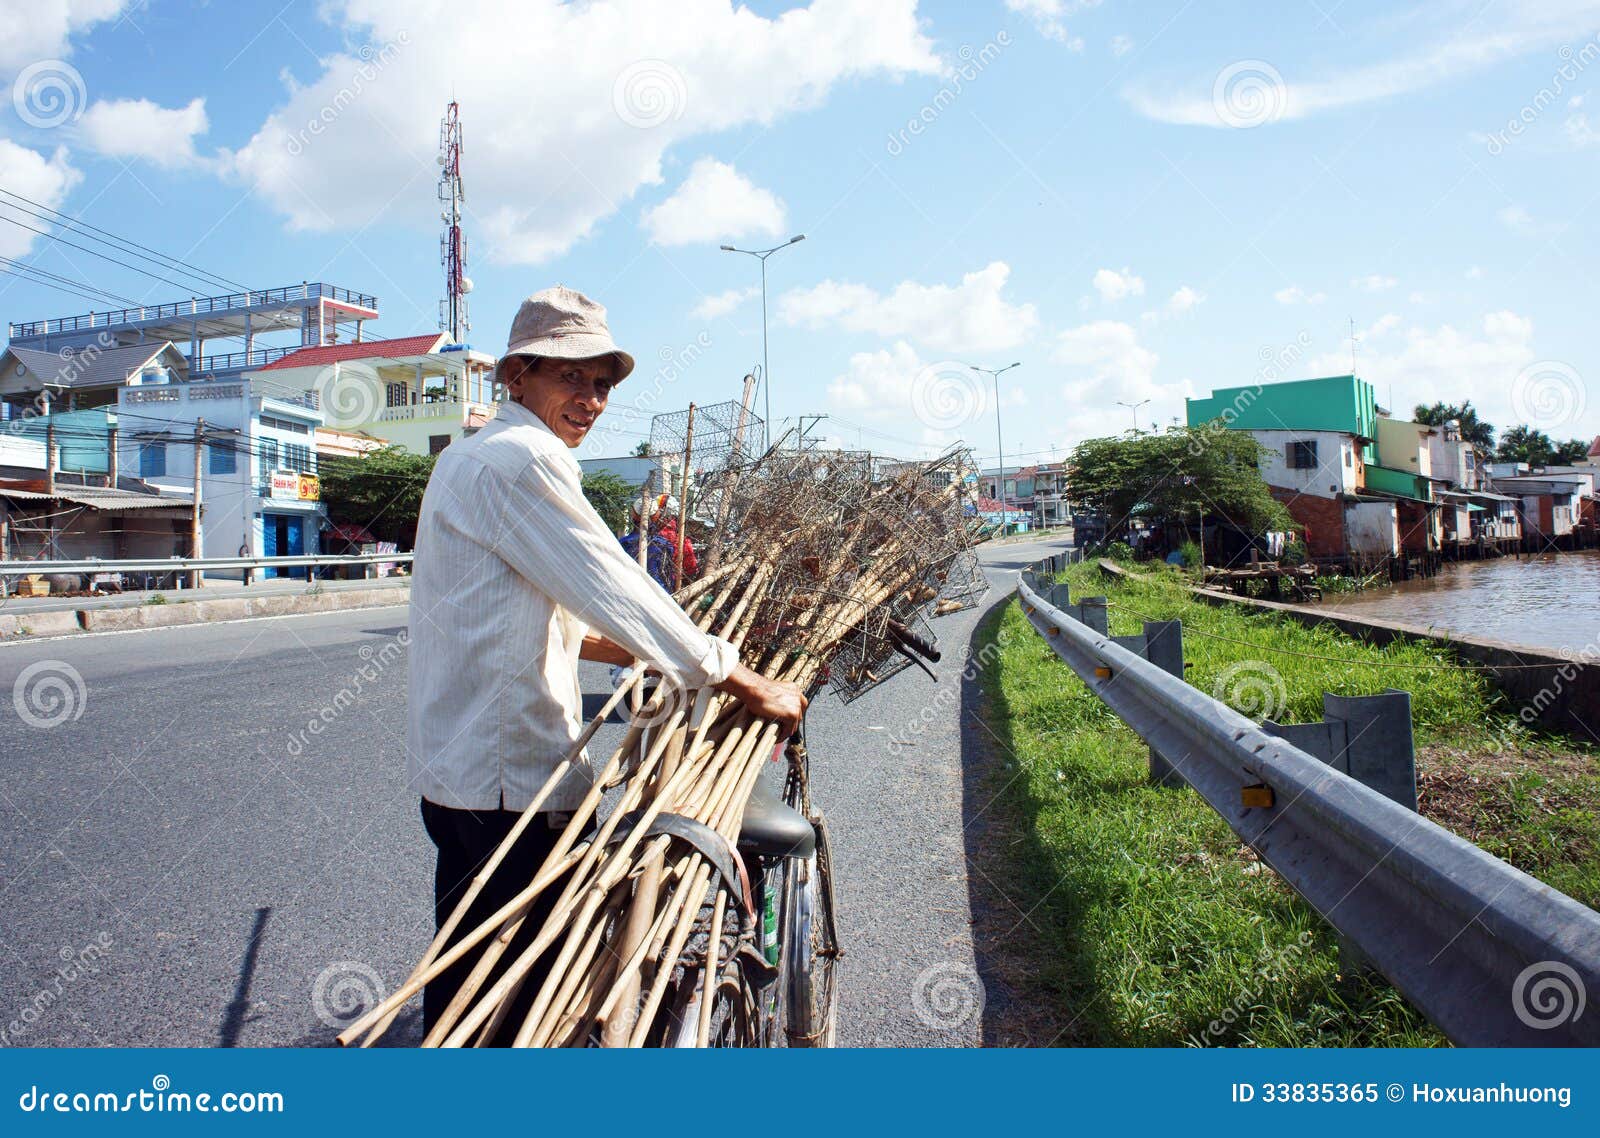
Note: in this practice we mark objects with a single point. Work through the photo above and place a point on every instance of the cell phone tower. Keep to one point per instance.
(452, 245)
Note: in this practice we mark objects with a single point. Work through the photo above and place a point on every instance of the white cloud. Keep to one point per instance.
(1373, 282)
(1120, 46)
(1379, 327)
(1450, 363)
(43, 29)
(1113, 286)
(567, 110)
(877, 381)
(1520, 221)
(973, 316)
(1294, 294)
(1475, 273)
(715, 202)
(1107, 352)
(1185, 299)
(138, 128)
(1494, 35)
(1049, 16)
(45, 180)
(720, 304)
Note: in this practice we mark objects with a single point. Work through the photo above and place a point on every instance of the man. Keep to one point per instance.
(516, 578)
(661, 554)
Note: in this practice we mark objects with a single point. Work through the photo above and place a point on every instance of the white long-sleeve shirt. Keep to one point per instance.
(513, 565)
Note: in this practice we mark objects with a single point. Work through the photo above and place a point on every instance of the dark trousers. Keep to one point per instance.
(466, 839)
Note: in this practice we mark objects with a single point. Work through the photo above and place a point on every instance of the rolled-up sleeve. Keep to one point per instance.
(550, 534)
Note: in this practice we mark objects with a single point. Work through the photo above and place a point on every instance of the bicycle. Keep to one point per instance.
(777, 975)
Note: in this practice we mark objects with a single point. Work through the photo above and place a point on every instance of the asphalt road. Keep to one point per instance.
(184, 863)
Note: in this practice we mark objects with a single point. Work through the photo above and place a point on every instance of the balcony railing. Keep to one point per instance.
(232, 361)
(195, 306)
(443, 409)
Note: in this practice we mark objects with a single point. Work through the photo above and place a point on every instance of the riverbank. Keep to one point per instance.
(1148, 923)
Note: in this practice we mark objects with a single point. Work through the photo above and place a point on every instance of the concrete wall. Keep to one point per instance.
(1372, 529)
(1338, 469)
(1403, 445)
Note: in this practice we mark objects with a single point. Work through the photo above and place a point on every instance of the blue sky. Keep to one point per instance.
(1136, 201)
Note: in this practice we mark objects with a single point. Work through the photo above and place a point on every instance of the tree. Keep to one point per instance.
(381, 491)
(1170, 477)
(1525, 444)
(1573, 452)
(611, 496)
(1473, 429)
(643, 450)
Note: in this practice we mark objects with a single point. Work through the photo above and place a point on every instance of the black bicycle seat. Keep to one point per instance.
(772, 829)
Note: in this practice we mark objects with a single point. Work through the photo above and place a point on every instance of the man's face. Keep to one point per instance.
(567, 395)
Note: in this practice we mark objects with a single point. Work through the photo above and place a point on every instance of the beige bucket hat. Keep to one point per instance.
(562, 324)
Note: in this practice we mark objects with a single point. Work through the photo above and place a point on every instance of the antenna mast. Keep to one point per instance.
(452, 245)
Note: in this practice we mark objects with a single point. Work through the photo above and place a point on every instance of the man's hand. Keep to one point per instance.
(777, 700)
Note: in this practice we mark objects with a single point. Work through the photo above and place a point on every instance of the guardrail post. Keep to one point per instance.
(1095, 614)
(1163, 647)
(1059, 595)
(1378, 747)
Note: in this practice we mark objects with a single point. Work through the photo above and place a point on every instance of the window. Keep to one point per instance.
(221, 458)
(153, 460)
(269, 455)
(297, 457)
(396, 393)
(437, 443)
(1302, 455)
(289, 425)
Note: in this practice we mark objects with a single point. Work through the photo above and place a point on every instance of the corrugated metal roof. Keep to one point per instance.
(100, 498)
(364, 349)
(96, 367)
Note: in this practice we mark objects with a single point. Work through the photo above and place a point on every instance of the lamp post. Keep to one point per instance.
(1133, 409)
(766, 372)
(1000, 482)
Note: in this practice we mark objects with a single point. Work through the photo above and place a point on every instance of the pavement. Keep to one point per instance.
(186, 861)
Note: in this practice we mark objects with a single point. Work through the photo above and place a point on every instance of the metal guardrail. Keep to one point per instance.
(1485, 951)
(198, 564)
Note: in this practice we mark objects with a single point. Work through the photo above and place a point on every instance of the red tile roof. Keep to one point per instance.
(366, 349)
(1594, 448)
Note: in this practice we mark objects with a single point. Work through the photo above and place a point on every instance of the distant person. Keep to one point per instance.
(661, 554)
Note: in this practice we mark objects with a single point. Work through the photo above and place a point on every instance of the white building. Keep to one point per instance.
(259, 493)
(1319, 464)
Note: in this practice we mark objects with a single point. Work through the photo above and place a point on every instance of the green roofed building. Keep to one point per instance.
(1334, 403)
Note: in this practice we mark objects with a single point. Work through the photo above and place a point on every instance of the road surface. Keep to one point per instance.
(206, 838)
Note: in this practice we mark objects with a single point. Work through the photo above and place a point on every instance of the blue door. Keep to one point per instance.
(294, 546)
(283, 535)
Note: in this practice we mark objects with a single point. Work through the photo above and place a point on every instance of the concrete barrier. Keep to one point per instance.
(58, 623)
(1548, 689)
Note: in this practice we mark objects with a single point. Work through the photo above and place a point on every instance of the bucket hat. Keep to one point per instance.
(562, 324)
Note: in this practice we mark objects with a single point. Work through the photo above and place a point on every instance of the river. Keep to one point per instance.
(1545, 602)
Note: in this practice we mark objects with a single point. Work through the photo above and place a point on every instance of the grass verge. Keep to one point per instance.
(1147, 922)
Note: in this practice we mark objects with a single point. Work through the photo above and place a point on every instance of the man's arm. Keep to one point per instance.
(606, 651)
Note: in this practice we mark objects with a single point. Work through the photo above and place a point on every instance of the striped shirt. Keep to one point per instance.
(513, 566)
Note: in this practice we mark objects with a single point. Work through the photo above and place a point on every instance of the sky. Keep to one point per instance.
(1134, 202)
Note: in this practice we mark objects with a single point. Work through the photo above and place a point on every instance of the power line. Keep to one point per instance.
(71, 282)
(47, 284)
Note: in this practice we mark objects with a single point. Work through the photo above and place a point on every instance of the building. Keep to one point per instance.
(1341, 403)
(259, 492)
(37, 382)
(310, 313)
(1051, 507)
(417, 392)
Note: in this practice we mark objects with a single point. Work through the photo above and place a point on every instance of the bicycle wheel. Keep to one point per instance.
(733, 1012)
(810, 948)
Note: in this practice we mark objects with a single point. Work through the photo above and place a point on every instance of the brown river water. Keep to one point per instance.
(1546, 602)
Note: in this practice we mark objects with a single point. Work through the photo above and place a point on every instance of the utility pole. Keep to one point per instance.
(766, 369)
(51, 461)
(805, 426)
(1000, 446)
(194, 516)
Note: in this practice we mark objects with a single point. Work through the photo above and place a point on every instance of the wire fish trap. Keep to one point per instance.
(879, 651)
(963, 586)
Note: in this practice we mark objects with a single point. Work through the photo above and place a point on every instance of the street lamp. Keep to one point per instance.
(1134, 409)
(1000, 482)
(762, 255)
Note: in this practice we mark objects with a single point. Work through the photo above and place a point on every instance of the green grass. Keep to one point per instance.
(1147, 922)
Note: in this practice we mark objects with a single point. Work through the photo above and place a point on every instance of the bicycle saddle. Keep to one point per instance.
(772, 829)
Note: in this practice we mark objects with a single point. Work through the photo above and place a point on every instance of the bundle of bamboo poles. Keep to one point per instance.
(816, 563)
